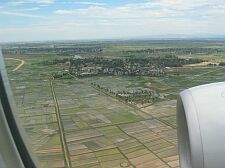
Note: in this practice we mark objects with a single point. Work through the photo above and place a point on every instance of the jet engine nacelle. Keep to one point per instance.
(201, 126)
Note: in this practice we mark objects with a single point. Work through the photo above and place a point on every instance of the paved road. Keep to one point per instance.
(22, 62)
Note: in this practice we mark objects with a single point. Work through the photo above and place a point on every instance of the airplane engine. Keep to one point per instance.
(201, 126)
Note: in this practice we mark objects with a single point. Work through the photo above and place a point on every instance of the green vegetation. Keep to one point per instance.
(109, 119)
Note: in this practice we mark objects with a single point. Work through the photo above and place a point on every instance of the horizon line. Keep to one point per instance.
(153, 38)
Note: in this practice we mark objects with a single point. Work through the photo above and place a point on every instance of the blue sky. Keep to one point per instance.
(34, 20)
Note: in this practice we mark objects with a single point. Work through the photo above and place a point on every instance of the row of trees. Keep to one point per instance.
(59, 51)
(55, 61)
(222, 64)
(159, 62)
(139, 96)
(177, 50)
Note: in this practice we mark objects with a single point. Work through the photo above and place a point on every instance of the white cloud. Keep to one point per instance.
(21, 2)
(28, 9)
(156, 9)
(15, 13)
(44, 1)
(16, 3)
(156, 17)
(90, 10)
(90, 3)
(130, 20)
(106, 29)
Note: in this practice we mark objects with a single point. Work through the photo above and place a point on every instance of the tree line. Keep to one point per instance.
(159, 62)
(176, 50)
(139, 96)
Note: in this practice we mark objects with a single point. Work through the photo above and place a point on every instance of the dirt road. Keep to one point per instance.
(22, 62)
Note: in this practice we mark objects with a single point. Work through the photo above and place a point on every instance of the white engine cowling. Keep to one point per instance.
(201, 126)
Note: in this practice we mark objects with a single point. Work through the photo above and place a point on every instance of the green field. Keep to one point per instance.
(100, 130)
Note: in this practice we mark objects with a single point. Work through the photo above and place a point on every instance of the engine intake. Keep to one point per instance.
(201, 126)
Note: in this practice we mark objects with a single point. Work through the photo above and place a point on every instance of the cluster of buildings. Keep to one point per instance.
(118, 67)
(118, 71)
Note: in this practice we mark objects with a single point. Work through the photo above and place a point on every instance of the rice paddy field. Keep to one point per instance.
(99, 130)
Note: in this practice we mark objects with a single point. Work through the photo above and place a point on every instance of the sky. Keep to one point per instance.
(37, 20)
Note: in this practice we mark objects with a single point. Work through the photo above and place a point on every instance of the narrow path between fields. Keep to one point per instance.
(22, 62)
(64, 145)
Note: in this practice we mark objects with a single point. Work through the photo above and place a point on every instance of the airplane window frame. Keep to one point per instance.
(16, 131)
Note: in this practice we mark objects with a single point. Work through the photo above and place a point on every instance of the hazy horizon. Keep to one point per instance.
(50, 20)
(153, 38)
